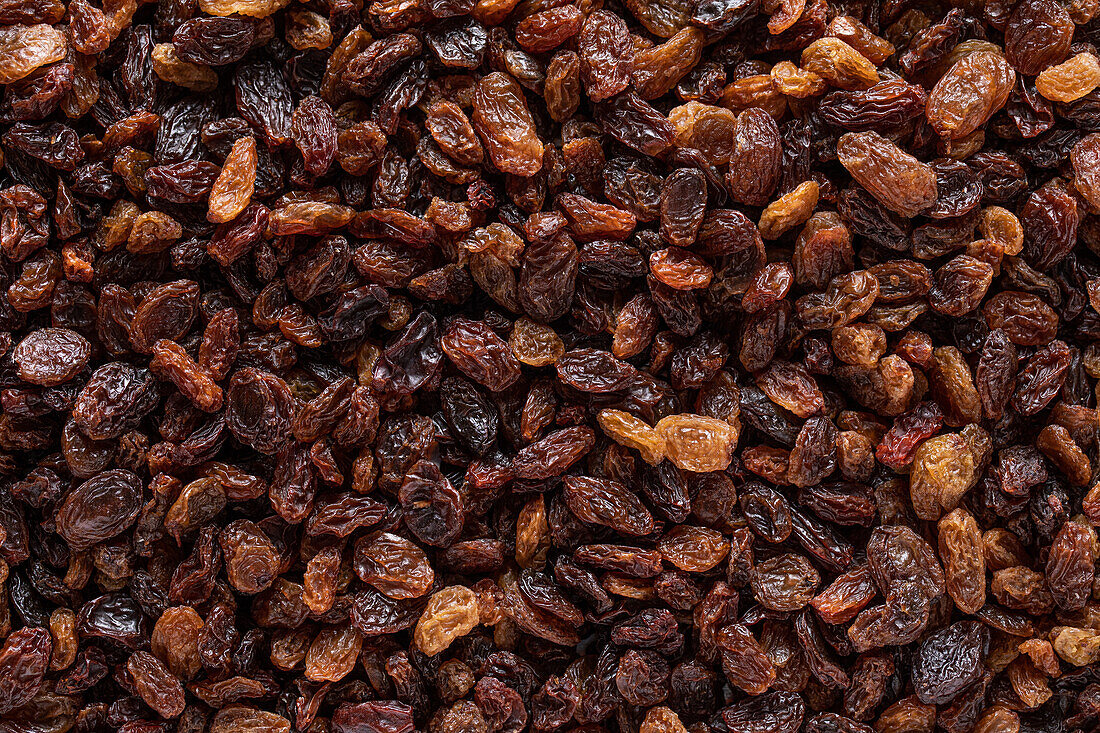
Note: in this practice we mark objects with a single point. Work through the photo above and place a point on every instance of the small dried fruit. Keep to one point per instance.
(901, 182)
(451, 612)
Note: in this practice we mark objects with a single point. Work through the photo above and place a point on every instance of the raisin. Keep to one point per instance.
(901, 182)
(232, 190)
(505, 124)
(213, 41)
(960, 547)
(948, 661)
(839, 64)
(51, 356)
(973, 89)
(1038, 33)
(24, 658)
(451, 613)
(754, 165)
(157, 686)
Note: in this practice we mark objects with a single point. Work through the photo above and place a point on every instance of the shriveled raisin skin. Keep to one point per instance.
(608, 503)
(24, 659)
(114, 400)
(100, 508)
(1038, 34)
(393, 565)
(889, 103)
(232, 191)
(1071, 557)
(606, 55)
(901, 182)
(683, 204)
(948, 661)
(167, 312)
(51, 356)
(506, 127)
(480, 354)
(758, 150)
(157, 686)
(454, 134)
(451, 613)
(259, 409)
(313, 129)
(971, 91)
(28, 47)
(960, 548)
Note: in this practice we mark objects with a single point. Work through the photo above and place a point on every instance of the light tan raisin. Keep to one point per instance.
(233, 187)
(626, 429)
(171, 68)
(839, 64)
(789, 210)
(961, 551)
(974, 88)
(697, 443)
(1069, 80)
(333, 654)
(24, 48)
(943, 471)
(506, 126)
(450, 613)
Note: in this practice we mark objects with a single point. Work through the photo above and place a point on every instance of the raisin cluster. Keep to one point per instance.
(594, 366)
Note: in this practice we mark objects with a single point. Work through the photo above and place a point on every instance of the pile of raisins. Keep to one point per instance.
(606, 366)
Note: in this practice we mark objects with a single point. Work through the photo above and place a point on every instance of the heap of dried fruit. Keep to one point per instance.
(488, 366)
